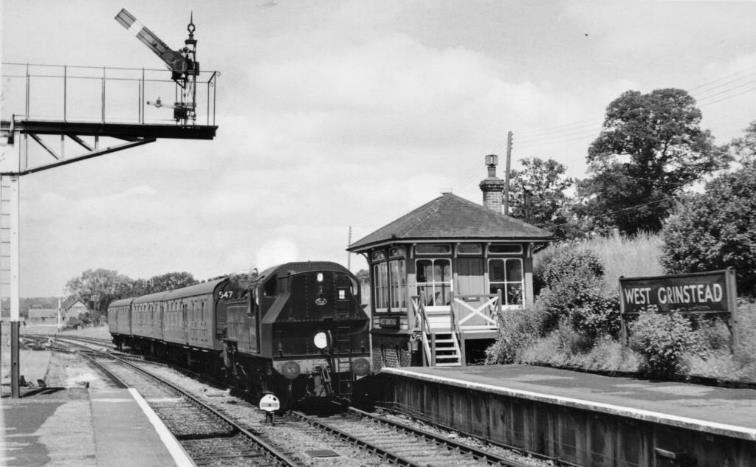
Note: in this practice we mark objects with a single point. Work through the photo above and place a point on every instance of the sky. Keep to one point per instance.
(334, 114)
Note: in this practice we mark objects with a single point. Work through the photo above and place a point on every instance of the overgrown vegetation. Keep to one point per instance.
(662, 340)
(575, 322)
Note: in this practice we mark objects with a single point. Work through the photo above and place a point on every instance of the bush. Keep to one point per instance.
(568, 262)
(598, 317)
(662, 340)
(710, 337)
(574, 288)
(722, 223)
(518, 328)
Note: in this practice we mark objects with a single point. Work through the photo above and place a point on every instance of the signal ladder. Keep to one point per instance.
(5, 239)
(9, 240)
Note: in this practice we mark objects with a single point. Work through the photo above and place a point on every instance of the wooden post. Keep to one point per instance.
(732, 304)
(623, 324)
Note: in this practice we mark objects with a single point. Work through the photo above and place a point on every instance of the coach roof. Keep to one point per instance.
(121, 302)
(203, 288)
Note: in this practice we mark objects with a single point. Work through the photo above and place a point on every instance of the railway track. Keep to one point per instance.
(355, 437)
(208, 436)
(402, 444)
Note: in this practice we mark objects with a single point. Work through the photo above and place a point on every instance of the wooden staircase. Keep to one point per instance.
(441, 339)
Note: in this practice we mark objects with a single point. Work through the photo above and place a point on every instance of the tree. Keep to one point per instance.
(743, 150)
(545, 182)
(97, 288)
(169, 281)
(716, 229)
(650, 148)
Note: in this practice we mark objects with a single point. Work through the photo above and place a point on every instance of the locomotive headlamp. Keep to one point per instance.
(321, 340)
(320, 277)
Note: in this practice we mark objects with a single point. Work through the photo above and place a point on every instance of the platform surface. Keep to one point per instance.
(82, 427)
(726, 411)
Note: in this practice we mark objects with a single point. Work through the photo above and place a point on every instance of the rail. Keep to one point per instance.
(406, 458)
(270, 451)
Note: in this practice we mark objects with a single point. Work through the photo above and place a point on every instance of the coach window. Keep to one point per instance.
(505, 274)
(434, 274)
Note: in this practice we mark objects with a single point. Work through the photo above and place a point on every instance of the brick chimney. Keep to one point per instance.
(492, 187)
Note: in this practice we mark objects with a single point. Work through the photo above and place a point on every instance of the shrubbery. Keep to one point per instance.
(572, 309)
(574, 288)
(662, 339)
(518, 329)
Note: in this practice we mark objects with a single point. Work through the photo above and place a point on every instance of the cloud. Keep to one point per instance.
(276, 251)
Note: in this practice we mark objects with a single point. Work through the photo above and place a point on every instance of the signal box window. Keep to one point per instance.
(434, 280)
(433, 249)
(505, 249)
(505, 274)
(380, 272)
(398, 285)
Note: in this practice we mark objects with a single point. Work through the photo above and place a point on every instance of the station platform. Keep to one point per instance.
(584, 418)
(85, 427)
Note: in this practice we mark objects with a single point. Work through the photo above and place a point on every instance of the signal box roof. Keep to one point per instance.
(451, 218)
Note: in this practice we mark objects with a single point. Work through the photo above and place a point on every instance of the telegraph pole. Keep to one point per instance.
(349, 255)
(506, 173)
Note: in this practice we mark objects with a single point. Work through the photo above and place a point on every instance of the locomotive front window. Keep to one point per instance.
(270, 288)
(344, 287)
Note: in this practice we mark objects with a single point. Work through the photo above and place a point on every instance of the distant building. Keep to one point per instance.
(43, 315)
(72, 307)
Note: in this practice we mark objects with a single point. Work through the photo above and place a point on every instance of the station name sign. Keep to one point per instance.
(706, 292)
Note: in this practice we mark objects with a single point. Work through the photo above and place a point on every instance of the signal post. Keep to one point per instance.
(186, 81)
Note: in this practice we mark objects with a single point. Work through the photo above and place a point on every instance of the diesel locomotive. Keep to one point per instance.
(296, 329)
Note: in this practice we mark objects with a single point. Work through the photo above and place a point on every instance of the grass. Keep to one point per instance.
(635, 256)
